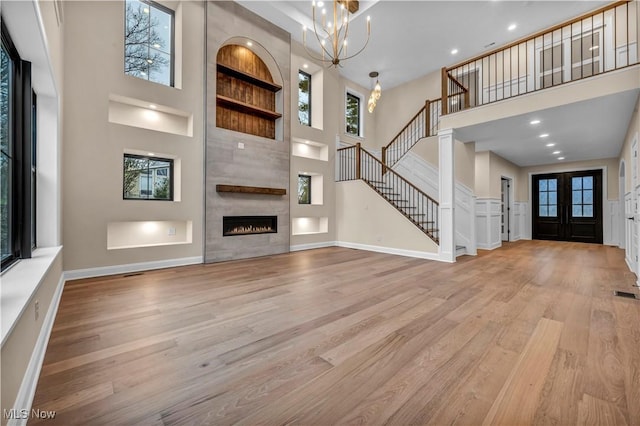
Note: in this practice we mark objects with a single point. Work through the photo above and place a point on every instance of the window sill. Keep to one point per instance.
(20, 283)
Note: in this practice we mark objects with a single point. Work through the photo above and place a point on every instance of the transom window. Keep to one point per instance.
(148, 41)
(582, 196)
(147, 178)
(352, 113)
(548, 197)
(304, 98)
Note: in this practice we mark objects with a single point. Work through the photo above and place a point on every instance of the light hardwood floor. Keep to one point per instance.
(527, 334)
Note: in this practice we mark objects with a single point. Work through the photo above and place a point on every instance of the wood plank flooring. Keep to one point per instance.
(527, 334)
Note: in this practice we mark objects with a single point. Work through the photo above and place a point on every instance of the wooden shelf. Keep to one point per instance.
(250, 190)
(248, 108)
(249, 78)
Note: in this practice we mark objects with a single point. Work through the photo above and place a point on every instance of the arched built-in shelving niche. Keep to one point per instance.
(247, 98)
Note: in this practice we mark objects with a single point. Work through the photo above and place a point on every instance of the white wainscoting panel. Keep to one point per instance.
(424, 175)
(487, 217)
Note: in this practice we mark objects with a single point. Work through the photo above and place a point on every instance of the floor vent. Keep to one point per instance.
(135, 274)
(626, 294)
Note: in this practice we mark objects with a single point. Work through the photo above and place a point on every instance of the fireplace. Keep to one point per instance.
(249, 225)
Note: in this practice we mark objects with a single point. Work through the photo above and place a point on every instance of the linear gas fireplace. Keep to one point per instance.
(248, 225)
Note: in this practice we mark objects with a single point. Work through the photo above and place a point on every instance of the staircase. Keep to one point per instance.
(356, 163)
(422, 125)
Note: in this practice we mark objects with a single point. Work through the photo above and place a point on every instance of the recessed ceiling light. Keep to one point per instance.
(305, 66)
(551, 144)
(512, 27)
(249, 44)
(152, 106)
(556, 152)
(544, 135)
(454, 51)
(560, 158)
(534, 122)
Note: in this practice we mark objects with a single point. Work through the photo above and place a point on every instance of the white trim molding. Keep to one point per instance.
(311, 246)
(131, 267)
(488, 216)
(390, 250)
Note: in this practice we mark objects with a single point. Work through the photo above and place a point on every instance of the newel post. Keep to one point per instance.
(427, 118)
(383, 158)
(445, 94)
(358, 160)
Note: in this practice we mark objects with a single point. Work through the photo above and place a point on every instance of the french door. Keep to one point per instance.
(568, 206)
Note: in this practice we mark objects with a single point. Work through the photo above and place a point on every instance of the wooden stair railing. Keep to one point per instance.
(421, 125)
(356, 163)
(597, 42)
(456, 93)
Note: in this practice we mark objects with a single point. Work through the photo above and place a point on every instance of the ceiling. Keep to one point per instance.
(412, 38)
(585, 130)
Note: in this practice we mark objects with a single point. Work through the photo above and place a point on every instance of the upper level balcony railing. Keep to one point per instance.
(598, 42)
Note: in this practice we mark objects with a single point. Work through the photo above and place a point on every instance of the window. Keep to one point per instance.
(34, 169)
(352, 114)
(304, 98)
(148, 41)
(582, 196)
(147, 178)
(548, 197)
(17, 162)
(304, 189)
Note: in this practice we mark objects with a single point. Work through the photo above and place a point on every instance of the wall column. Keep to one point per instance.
(446, 197)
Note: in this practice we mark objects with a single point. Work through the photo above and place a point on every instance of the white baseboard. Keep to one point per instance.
(131, 267)
(27, 390)
(490, 246)
(388, 250)
(310, 246)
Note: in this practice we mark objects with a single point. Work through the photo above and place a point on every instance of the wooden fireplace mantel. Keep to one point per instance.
(250, 189)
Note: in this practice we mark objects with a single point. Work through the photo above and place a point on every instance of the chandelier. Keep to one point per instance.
(332, 33)
(376, 93)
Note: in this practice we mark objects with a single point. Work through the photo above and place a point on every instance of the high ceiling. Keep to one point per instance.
(413, 38)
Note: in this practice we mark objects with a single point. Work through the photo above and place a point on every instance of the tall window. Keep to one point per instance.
(304, 98)
(147, 178)
(148, 41)
(353, 115)
(6, 165)
(17, 163)
(304, 189)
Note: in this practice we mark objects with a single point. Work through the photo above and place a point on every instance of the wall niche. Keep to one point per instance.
(246, 93)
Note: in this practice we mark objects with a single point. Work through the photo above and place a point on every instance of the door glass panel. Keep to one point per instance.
(577, 211)
(582, 196)
(576, 183)
(587, 182)
(548, 197)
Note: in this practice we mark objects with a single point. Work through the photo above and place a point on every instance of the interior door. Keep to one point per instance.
(568, 206)
(505, 203)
